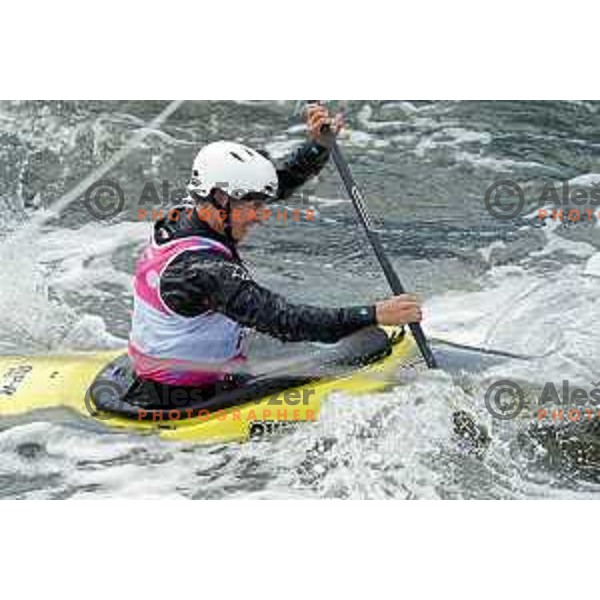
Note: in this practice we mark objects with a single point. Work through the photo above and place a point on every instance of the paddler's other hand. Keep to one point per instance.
(317, 117)
(399, 310)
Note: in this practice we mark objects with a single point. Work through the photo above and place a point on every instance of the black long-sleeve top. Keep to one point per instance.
(196, 282)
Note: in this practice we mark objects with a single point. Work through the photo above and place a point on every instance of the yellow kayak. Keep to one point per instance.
(32, 384)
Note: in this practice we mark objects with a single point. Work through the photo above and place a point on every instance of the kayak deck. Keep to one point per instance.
(32, 384)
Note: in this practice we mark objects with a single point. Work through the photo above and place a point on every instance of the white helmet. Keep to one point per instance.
(233, 168)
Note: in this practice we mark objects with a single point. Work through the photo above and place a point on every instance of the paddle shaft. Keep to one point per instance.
(392, 277)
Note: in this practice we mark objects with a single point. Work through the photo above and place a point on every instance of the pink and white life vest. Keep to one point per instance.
(170, 348)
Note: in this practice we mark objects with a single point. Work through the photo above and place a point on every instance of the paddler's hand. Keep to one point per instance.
(399, 310)
(317, 117)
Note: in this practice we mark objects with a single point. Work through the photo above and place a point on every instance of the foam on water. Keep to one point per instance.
(47, 267)
(83, 259)
(586, 180)
(32, 320)
(391, 445)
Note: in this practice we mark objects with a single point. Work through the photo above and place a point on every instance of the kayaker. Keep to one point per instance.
(193, 296)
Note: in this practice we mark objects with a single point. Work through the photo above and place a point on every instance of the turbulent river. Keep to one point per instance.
(515, 285)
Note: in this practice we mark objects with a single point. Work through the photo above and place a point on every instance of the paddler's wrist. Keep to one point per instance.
(360, 316)
(317, 152)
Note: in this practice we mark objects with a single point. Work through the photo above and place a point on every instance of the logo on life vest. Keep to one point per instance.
(12, 379)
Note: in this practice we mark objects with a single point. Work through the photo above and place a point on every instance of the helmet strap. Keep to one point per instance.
(228, 232)
(227, 228)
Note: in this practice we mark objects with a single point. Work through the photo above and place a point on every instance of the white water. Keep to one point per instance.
(60, 286)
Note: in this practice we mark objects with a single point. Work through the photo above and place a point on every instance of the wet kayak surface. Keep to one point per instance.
(517, 286)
